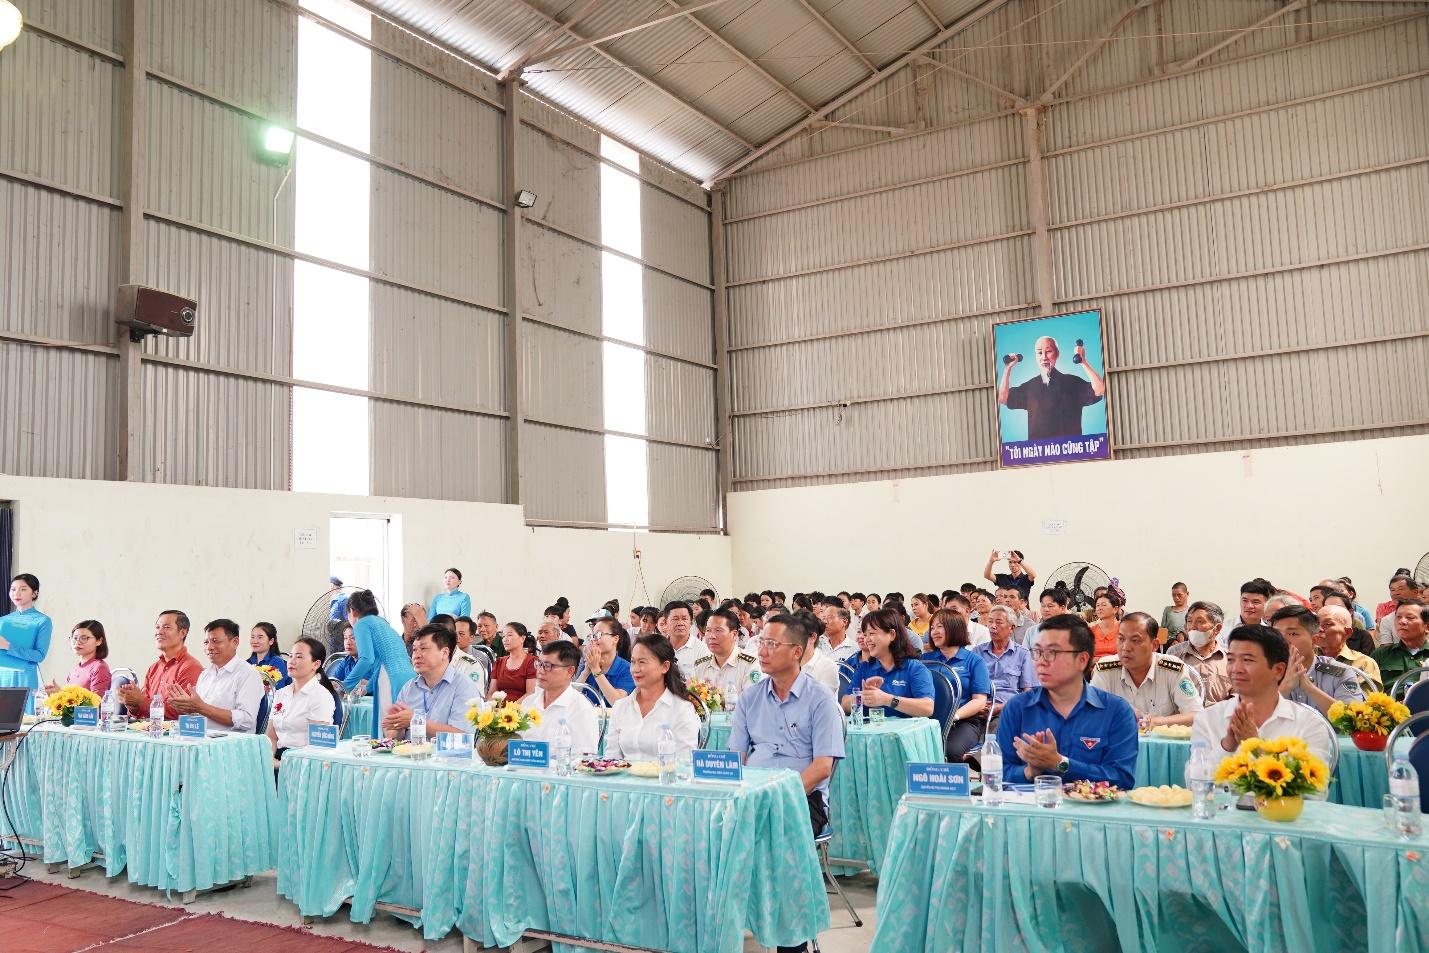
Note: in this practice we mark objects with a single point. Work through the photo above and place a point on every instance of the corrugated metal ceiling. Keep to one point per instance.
(697, 91)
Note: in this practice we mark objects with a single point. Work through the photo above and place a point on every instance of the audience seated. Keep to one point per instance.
(91, 648)
(514, 675)
(342, 667)
(892, 678)
(603, 667)
(558, 701)
(1408, 651)
(310, 698)
(437, 691)
(1336, 623)
(263, 641)
(174, 667)
(1312, 679)
(229, 692)
(1009, 667)
(725, 665)
(948, 635)
(1203, 650)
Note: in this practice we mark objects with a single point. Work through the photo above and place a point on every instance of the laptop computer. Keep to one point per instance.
(12, 708)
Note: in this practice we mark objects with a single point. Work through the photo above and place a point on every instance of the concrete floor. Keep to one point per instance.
(260, 903)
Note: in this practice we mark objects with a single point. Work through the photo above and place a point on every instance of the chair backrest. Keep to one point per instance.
(1416, 699)
(122, 676)
(339, 711)
(591, 693)
(1417, 728)
(951, 674)
(845, 678)
(946, 695)
(1407, 681)
(602, 710)
(333, 659)
(483, 653)
(260, 725)
(706, 724)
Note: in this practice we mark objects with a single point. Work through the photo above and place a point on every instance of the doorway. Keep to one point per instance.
(364, 550)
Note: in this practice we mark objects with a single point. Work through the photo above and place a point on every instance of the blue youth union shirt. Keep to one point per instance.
(909, 680)
(1098, 737)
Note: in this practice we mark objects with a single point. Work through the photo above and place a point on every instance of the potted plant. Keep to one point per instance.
(1368, 723)
(62, 703)
(497, 725)
(1279, 772)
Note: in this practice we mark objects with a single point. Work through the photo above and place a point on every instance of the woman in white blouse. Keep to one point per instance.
(310, 699)
(660, 698)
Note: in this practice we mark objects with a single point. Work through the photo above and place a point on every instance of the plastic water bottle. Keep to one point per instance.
(991, 760)
(156, 716)
(417, 730)
(106, 711)
(666, 750)
(40, 698)
(1404, 789)
(855, 715)
(1200, 779)
(561, 749)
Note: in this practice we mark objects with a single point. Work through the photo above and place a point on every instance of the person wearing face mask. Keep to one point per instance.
(1202, 649)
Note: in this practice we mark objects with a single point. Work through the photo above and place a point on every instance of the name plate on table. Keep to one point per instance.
(937, 780)
(452, 744)
(322, 736)
(721, 767)
(86, 717)
(193, 726)
(528, 754)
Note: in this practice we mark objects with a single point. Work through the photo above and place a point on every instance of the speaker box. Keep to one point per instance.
(151, 311)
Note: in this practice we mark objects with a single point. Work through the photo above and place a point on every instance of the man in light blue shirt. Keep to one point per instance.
(1009, 665)
(439, 691)
(788, 720)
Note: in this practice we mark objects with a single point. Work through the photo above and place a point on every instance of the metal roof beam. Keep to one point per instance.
(1095, 47)
(743, 56)
(927, 12)
(1007, 94)
(624, 31)
(957, 26)
(546, 39)
(839, 35)
(1258, 24)
(644, 78)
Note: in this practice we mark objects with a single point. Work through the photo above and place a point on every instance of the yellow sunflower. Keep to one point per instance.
(1232, 769)
(1271, 772)
(484, 717)
(1316, 773)
(535, 718)
(508, 719)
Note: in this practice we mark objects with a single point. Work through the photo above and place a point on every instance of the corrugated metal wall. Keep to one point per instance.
(1256, 230)
(220, 229)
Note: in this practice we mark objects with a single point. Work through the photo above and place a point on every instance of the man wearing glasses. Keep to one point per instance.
(1066, 726)
(557, 700)
(790, 721)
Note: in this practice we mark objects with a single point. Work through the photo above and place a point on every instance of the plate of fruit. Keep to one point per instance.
(1165, 796)
(602, 765)
(1093, 792)
(384, 745)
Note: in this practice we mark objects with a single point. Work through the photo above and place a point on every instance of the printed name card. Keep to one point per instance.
(452, 744)
(938, 780)
(322, 736)
(528, 754)
(722, 767)
(86, 717)
(193, 726)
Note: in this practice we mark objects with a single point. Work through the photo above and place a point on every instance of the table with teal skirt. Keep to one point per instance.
(867, 783)
(1361, 780)
(359, 718)
(175, 814)
(495, 852)
(961, 876)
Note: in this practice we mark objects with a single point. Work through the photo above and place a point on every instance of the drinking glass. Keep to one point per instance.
(1048, 790)
(876, 715)
(684, 767)
(1391, 816)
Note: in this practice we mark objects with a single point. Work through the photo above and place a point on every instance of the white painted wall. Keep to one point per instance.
(1293, 515)
(121, 552)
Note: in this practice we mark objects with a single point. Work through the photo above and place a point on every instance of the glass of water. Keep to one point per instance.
(1047, 789)
(684, 767)
(361, 746)
(876, 715)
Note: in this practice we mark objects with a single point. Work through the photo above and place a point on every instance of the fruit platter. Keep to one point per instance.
(1167, 795)
(384, 745)
(602, 765)
(1093, 792)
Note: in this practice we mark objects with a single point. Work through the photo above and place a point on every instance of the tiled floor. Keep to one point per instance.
(261, 904)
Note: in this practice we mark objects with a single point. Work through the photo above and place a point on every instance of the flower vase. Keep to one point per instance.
(67, 716)
(1369, 740)
(1279, 808)
(492, 749)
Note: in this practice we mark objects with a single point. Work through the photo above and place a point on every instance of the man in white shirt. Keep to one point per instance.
(1256, 662)
(675, 622)
(555, 699)
(230, 691)
(837, 643)
(977, 632)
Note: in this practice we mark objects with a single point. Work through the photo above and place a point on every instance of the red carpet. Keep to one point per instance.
(47, 918)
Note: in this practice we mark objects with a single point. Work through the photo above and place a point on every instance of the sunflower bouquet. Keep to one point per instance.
(503, 720)
(1280, 767)
(1377, 714)
(63, 702)
(270, 675)
(706, 695)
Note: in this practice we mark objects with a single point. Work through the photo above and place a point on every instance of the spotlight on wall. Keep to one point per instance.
(277, 142)
(10, 23)
(525, 198)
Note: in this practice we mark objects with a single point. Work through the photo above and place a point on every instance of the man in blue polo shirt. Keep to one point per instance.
(438, 692)
(1066, 726)
(788, 720)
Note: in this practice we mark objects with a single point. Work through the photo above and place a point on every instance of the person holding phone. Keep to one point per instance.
(1019, 575)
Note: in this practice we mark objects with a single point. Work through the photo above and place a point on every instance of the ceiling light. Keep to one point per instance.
(10, 23)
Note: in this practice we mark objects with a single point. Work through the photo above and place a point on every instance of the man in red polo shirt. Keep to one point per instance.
(175, 666)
